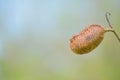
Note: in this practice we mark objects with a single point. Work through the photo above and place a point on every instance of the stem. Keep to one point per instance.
(107, 19)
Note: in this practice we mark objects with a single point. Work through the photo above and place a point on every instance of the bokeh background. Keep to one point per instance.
(34, 40)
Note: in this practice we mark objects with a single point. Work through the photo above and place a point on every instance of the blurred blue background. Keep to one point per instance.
(34, 40)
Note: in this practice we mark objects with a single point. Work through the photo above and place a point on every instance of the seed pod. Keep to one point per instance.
(89, 38)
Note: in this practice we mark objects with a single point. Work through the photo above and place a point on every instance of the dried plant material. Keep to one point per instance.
(89, 38)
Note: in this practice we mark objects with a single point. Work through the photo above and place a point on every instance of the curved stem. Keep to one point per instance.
(107, 19)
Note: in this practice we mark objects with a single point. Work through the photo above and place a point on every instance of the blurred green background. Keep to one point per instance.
(34, 40)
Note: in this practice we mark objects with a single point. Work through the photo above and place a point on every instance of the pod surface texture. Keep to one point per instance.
(88, 39)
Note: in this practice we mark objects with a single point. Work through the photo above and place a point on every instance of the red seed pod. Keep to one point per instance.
(89, 38)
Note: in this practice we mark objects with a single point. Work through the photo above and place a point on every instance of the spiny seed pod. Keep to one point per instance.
(90, 38)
